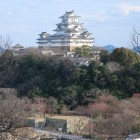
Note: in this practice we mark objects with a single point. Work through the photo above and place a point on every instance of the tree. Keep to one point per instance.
(45, 106)
(114, 66)
(89, 96)
(125, 57)
(8, 69)
(97, 73)
(84, 51)
(118, 125)
(7, 63)
(113, 117)
(135, 40)
(13, 113)
(94, 72)
(78, 75)
(35, 93)
(5, 43)
(69, 95)
(105, 56)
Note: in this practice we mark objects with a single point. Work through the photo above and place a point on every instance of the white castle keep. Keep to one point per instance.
(69, 35)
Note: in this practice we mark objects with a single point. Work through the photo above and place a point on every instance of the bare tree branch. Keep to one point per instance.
(5, 43)
(7, 63)
(13, 113)
(135, 40)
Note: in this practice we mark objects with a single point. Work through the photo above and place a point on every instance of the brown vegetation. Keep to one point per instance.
(13, 113)
(111, 116)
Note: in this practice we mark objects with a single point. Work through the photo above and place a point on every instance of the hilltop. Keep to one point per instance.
(109, 48)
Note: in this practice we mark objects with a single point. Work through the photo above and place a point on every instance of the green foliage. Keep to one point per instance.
(69, 84)
(35, 93)
(136, 129)
(125, 57)
(105, 57)
(8, 68)
(78, 74)
(83, 51)
(97, 74)
(60, 106)
(69, 95)
(89, 96)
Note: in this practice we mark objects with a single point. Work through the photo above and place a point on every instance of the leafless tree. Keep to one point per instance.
(111, 116)
(5, 43)
(44, 106)
(7, 63)
(7, 71)
(135, 40)
(13, 113)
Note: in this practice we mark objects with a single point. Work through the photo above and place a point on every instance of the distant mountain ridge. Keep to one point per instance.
(109, 48)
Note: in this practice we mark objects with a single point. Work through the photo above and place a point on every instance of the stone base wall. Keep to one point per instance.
(78, 126)
(56, 124)
(73, 126)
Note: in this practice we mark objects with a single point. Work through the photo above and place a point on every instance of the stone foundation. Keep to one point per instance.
(69, 124)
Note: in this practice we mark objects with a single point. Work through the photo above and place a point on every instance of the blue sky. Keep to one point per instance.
(110, 21)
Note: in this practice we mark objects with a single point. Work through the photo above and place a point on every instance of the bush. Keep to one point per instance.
(136, 129)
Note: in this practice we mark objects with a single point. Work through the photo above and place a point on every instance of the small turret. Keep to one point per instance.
(44, 35)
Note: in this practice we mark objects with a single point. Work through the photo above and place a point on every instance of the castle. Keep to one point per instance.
(69, 35)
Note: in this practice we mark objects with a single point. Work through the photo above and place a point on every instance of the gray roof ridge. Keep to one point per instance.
(18, 46)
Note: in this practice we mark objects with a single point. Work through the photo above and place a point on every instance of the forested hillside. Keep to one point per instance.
(70, 84)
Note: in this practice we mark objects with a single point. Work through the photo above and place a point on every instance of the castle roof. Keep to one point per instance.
(70, 14)
(85, 33)
(18, 46)
(70, 23)
(44, 34)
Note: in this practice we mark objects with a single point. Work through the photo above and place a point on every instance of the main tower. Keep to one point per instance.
(69, 35)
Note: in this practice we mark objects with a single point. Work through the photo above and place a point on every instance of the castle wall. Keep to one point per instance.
(73, 125)
(55, 124)
(78, 126)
